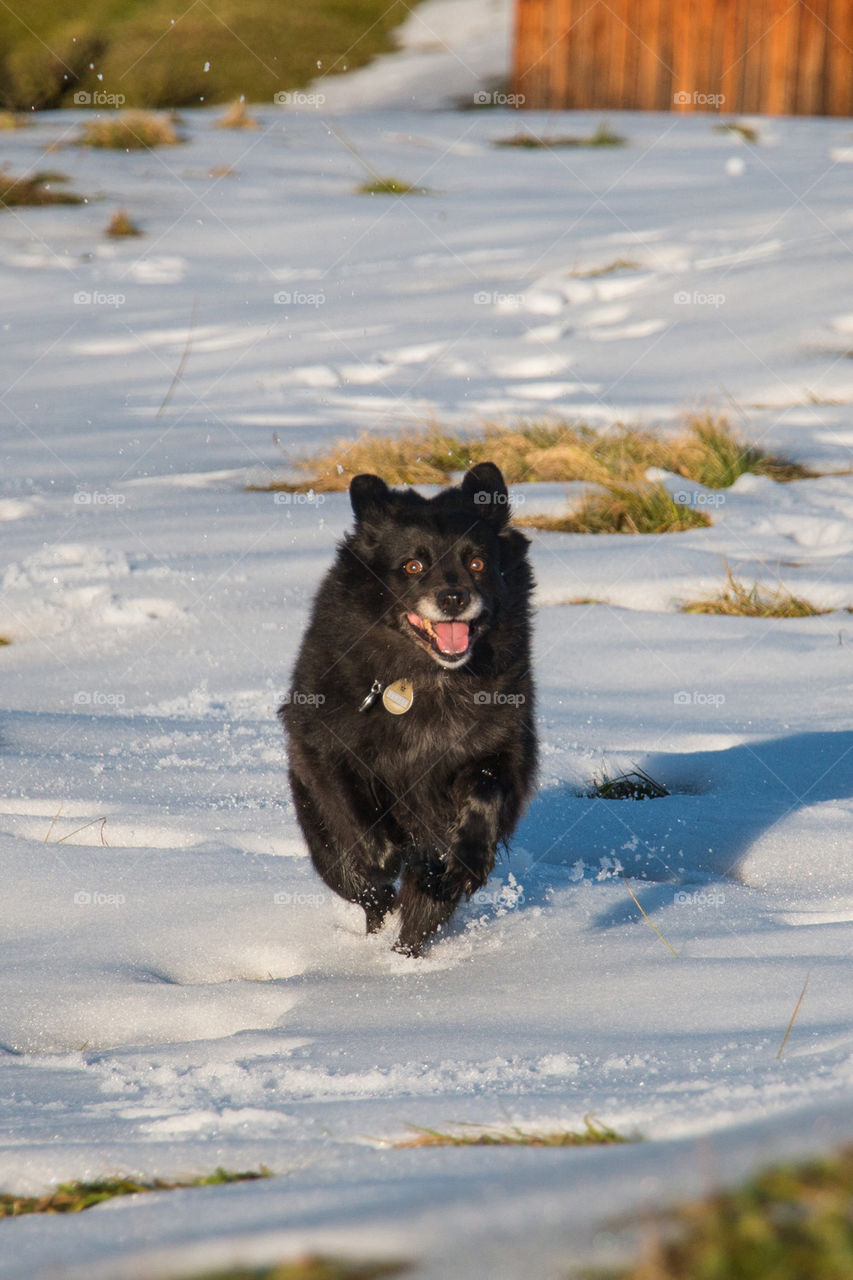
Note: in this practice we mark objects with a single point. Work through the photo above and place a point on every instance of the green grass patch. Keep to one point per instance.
(746, 132)
(388, 187)
(790, 1222)
(42, 188)
(618, 264)
(73, 1197)
(593, 1134)
(646, 508)
(529, 141)
(707, 451)
(156, 55)
(130, 131)
(636, 784)
(740, 601)
(310, 1268)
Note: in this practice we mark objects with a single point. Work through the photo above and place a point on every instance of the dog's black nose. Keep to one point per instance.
(453, 600)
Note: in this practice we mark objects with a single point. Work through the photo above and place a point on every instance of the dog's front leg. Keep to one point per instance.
(435, 880)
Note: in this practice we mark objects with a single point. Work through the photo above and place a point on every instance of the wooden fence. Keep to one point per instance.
(792, 57)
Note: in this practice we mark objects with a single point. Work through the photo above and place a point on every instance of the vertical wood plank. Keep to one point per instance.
(792, 56)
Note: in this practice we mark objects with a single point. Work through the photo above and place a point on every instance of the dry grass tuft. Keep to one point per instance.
(592, 1135)
(736, 600)
(618, 264)
(746, 132)
(74, 1197)
(379, 186)
(237, 117)
(647, 508)
(707, 451)
(527, 140)
(42, 188)
(121, 224)
(636, 784)
(130, 131)
(789, 1222)
(312, 1267)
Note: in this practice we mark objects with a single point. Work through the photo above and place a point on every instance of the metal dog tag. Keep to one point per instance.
(398, 697)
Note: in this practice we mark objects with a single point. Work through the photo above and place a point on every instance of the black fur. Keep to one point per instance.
(429, 794)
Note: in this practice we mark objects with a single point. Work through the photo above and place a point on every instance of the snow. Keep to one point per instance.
(178, 990)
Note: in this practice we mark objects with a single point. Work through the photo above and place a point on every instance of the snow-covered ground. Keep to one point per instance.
(177, 990)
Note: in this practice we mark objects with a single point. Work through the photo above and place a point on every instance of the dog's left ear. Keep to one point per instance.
(369, 496)
(485, 488)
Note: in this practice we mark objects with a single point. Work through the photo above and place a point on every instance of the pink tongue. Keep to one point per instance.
(452, 637)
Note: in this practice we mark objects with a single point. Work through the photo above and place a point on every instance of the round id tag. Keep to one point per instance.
(398, 697)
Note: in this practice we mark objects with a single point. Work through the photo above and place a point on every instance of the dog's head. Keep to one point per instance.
(440, 563)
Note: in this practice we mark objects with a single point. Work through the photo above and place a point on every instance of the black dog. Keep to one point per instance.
(410, 717)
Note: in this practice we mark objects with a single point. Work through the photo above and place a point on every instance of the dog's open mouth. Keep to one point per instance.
(452, 639)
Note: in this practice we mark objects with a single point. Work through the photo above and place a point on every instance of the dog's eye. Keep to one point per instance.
(413, 567)
(477, 564)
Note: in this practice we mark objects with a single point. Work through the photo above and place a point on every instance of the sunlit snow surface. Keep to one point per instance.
(177, 990)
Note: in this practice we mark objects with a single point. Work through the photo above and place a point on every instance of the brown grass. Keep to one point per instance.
(130, 131)
(618, 264)
(121, 224)
(707, 451)
(42, 188)
(738, 600)
(237, 117)
(746, 132)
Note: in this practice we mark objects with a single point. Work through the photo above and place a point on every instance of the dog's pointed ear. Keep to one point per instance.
(369, 496)
(485, 488)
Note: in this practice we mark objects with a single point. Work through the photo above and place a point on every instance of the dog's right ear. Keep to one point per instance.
(369, 496)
